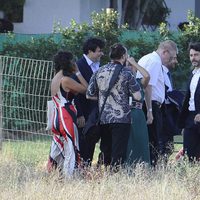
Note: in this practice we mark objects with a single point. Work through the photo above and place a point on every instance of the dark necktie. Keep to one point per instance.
(170, 78)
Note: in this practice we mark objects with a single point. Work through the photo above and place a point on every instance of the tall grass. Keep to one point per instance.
(23, 176)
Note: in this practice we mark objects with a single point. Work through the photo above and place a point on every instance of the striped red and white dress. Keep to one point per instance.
(64, 153)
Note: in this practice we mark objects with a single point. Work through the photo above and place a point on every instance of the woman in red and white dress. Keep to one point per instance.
(66, 83)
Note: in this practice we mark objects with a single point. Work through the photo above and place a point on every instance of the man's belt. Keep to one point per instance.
(157, 103)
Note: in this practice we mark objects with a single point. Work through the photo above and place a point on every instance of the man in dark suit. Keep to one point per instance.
(88, 64)
(190, 114)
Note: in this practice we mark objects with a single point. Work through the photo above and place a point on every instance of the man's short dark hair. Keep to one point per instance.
(194, 45)
(92, 44)
(117, 51)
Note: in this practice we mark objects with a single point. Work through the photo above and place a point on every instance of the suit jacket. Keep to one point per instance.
(172, 111)
(84, 106)
(185, 110)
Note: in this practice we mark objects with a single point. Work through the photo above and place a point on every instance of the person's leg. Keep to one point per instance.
(120, 135)
(191, 144)
(82, 146)
(191, 137)
(91, 138)
(105, 145)
(168, 130)
(198, 143)
(155, 134)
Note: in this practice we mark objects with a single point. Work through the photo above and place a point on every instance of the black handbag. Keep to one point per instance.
(92, 125)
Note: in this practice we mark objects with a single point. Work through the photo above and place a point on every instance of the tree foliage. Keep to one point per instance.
(104, 25)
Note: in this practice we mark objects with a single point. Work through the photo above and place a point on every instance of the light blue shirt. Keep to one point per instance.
(94, 65)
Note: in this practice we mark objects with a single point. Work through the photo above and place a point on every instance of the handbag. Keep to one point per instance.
(50, 112)
(93, 123)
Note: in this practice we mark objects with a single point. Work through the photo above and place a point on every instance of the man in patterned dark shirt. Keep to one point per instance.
(116, 116)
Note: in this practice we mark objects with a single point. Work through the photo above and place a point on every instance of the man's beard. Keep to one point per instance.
(196, 63)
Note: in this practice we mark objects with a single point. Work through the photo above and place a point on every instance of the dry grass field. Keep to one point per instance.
(23, 176)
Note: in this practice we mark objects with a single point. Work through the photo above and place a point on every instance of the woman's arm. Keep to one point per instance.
(70, 84)
(81, 79)
(79, 76)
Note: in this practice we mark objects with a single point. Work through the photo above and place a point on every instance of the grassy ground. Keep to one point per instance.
(23, 176)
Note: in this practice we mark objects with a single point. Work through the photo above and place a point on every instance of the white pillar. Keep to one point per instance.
(1, 14)
(1, 103)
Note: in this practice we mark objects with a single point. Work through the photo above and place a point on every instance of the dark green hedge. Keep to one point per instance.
(104, 26)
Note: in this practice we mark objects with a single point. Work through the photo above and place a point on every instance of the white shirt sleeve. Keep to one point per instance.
(153, 67)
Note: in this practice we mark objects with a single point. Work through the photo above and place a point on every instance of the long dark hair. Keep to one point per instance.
(63, 60)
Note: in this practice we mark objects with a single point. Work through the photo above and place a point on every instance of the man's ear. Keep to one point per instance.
(165, 51)
(89, 52)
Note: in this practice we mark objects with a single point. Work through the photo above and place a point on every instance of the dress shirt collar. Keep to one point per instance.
(94, 65)
(89, 62)
(196, 70)
(156, 55)
(165, 69)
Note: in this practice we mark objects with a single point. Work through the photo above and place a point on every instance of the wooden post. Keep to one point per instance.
(1, 103)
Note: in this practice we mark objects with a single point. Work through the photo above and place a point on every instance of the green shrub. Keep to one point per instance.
(71, 38)
(41, 48)
(104, 25)
(140, 43)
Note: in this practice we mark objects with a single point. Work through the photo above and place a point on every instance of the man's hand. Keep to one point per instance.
(197, 118)
(132, 62)
(81, 122)
(149, 117)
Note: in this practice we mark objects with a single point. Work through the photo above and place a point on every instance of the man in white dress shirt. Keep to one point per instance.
(155, 94)
(190, 115)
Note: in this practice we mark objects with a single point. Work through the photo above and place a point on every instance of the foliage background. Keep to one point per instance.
(105, 26)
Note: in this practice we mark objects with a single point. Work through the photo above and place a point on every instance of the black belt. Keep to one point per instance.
(157, 103)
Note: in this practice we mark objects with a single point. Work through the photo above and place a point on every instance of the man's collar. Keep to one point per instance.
(155, 53)
(165, 69)
(196, 70)
(89, 62)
